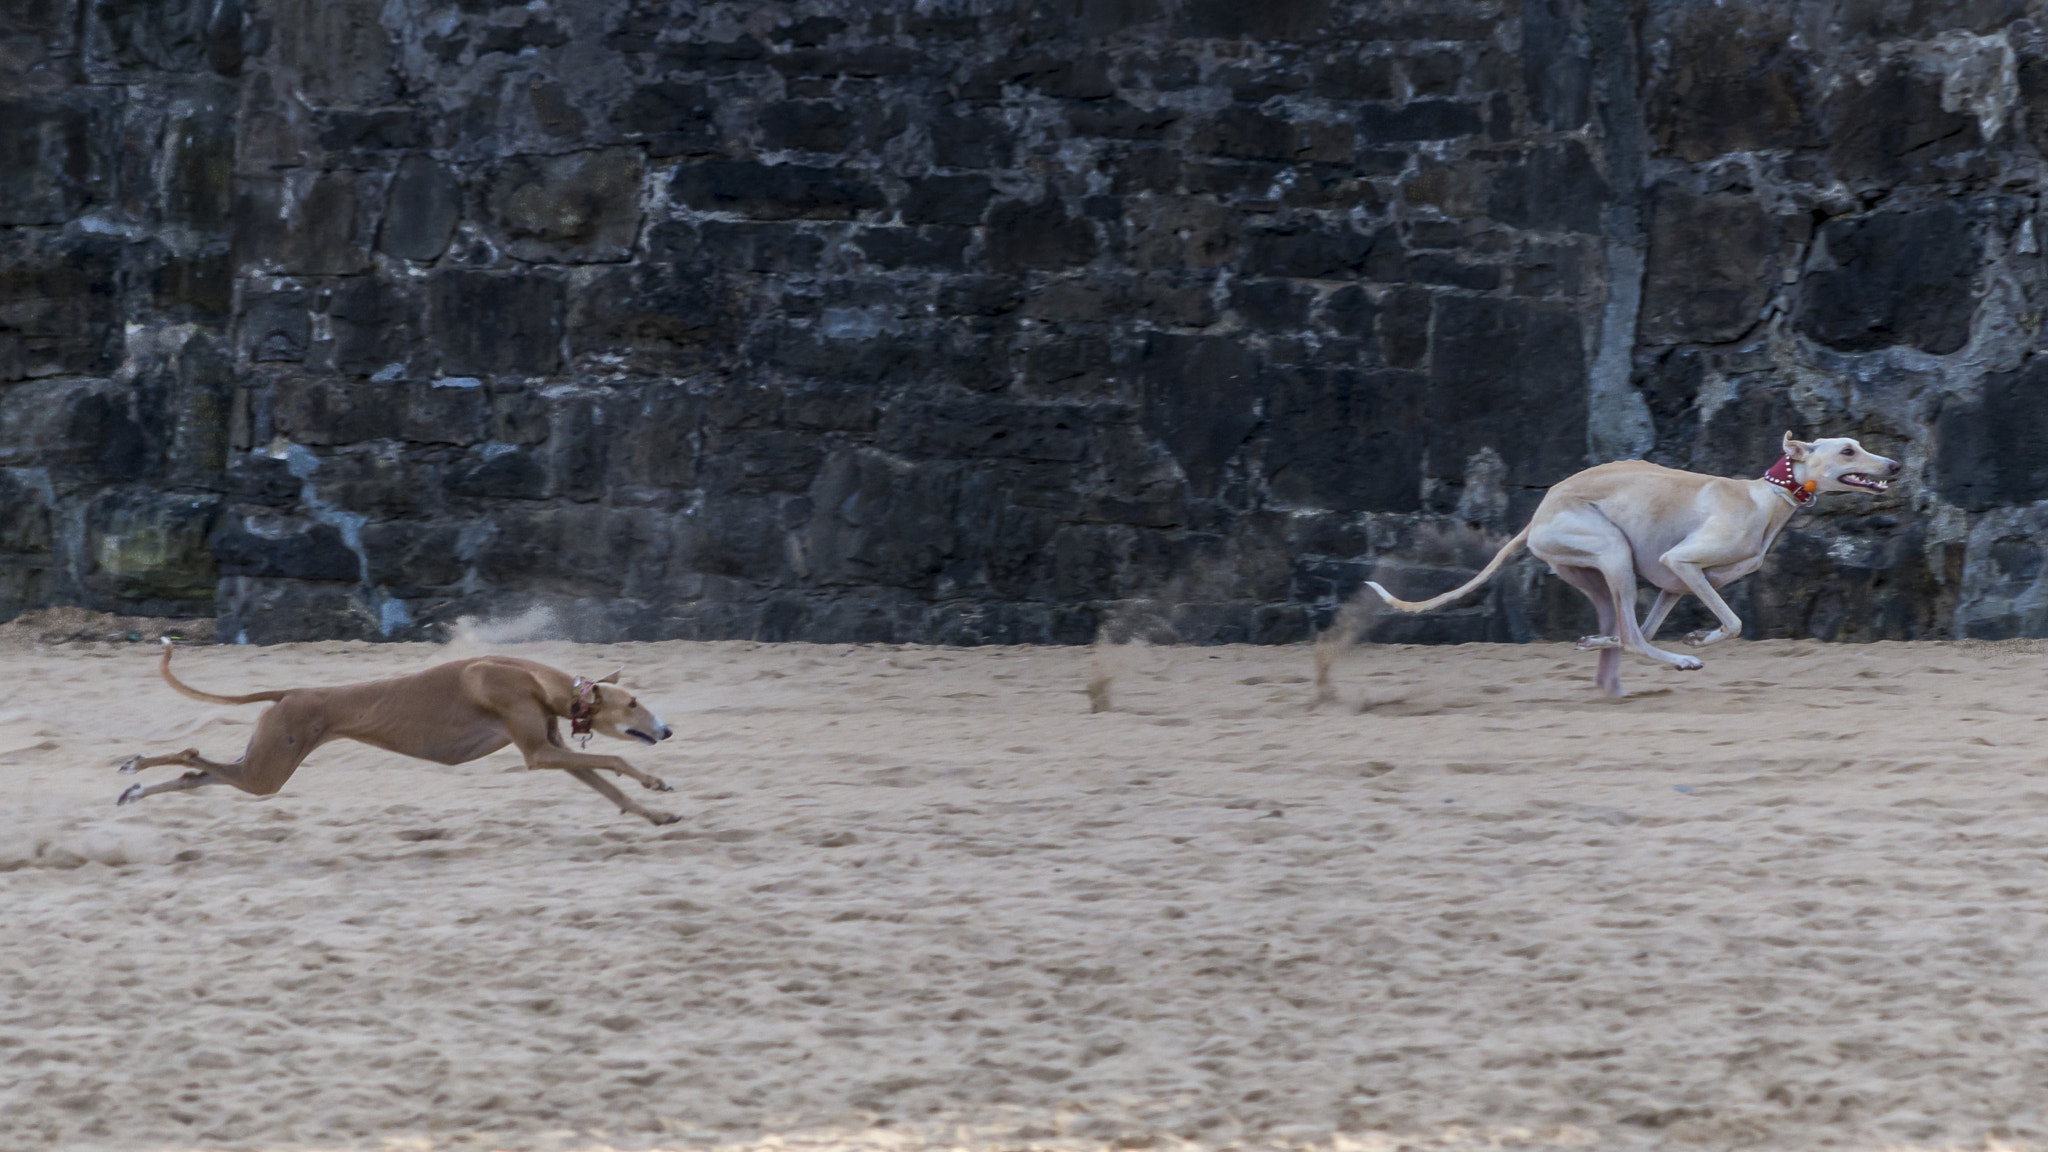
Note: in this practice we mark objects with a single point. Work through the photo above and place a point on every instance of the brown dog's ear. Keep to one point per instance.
(613, 678)
(1796, 450)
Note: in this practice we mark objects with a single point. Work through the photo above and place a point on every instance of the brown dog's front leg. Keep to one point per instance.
(606, 789)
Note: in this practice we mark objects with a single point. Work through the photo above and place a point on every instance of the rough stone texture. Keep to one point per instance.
(967, 323)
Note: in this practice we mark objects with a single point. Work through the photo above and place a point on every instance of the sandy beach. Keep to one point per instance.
(923, 898)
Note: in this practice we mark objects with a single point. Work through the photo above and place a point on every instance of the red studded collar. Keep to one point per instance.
(1781, 474)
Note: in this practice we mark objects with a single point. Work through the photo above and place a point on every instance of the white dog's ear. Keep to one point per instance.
(613, 678)
(1796, 450)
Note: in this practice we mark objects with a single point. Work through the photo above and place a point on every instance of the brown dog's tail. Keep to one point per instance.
(187, 690)
(1485, 574)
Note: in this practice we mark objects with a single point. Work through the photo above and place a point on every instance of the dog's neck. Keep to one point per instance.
(1781, 475)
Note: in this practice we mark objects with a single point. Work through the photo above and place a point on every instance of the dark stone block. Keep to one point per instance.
(500, 472)
(1345, 439)
(421, 210)
(1735, 84)
(259, 610)
(169, 35)
(1281, 20)
(516, 38)
(1404, 327)
(108, 439)
(1896, 130)
(1042, 235)
(1554, 188)
(372, 322)
(774, 192)
(262, 480)
(326, 412)
(866, 61)
(58, 304)
(54, 155)
(198, 286)
(558, 115)
(946, 200)
(1919, 19)
(1202, 398)
(576, 208)
(762, 247)
(758, 461)
(1355, 77)
(1557, 68)
(491, 324)
(1418, 120)
(807, 126)
(880, 521)
(1309, 253)
(970, 140)
(198, 176)
(1509, 375)
(1279, 305)
(739, 538)
(300, 226)
(371, 130)
(977, 427)
(1249, 134)
(274, 325)
(1992, 451)
(1349, 311)
(676, 118)
(150, 547)
(1897, 278)
(943, 248)
(289, 548)
(410, 559)
(1712, 264)
(24, 518)
(340, 49)
(445, 412)
(1746, 433)
(656, 318)
(1119, 120)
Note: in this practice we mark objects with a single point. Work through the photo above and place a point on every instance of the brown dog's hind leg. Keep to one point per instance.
(606, 789)
(275, 751)
(188, 780)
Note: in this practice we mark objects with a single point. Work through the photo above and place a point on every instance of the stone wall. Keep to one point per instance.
(984, 321)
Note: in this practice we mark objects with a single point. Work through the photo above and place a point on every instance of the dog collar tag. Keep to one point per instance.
(580, 709)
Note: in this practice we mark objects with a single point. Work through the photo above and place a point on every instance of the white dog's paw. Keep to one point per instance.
(656, 784)
(1704, 637)
(1595, 643)
(1688, 663)
(133, 794)
(130, 766)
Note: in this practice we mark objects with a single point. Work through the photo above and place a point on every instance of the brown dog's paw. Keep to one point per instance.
(130, 766)
(663, 818)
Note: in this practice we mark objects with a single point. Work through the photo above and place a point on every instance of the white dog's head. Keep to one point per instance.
(1839, 464)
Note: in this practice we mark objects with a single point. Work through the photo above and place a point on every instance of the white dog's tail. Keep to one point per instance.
(1499, 558)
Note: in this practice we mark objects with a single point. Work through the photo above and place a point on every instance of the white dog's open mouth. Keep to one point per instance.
(642, 737)
(1859, 480)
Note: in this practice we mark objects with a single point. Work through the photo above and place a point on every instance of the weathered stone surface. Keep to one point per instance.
(979, 324)
(1713, 262)
(1509, 377)
(1992, 450)
(423, 205)
(1895, 278)
(576, 208)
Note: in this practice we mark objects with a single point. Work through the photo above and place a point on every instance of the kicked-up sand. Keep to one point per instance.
(925, 898)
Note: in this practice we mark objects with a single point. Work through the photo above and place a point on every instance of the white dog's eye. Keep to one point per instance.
(1848, 451)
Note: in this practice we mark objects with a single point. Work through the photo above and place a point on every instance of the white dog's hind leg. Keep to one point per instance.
(1620, 569)
(1589, 581)
(1658, 611)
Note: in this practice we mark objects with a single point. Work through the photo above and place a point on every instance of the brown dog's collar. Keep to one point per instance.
(582, 707)
(1781, 474)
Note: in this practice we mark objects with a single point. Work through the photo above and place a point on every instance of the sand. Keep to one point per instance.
(924, 898)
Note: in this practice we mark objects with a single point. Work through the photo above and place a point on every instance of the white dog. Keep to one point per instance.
(1681, 531)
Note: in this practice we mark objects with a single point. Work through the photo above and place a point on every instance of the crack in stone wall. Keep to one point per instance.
(986, 322)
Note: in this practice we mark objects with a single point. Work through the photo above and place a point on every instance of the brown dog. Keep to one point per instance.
(451, 714)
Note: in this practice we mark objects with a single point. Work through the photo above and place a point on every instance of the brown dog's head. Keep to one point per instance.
(1839, 464)
(615, 713)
